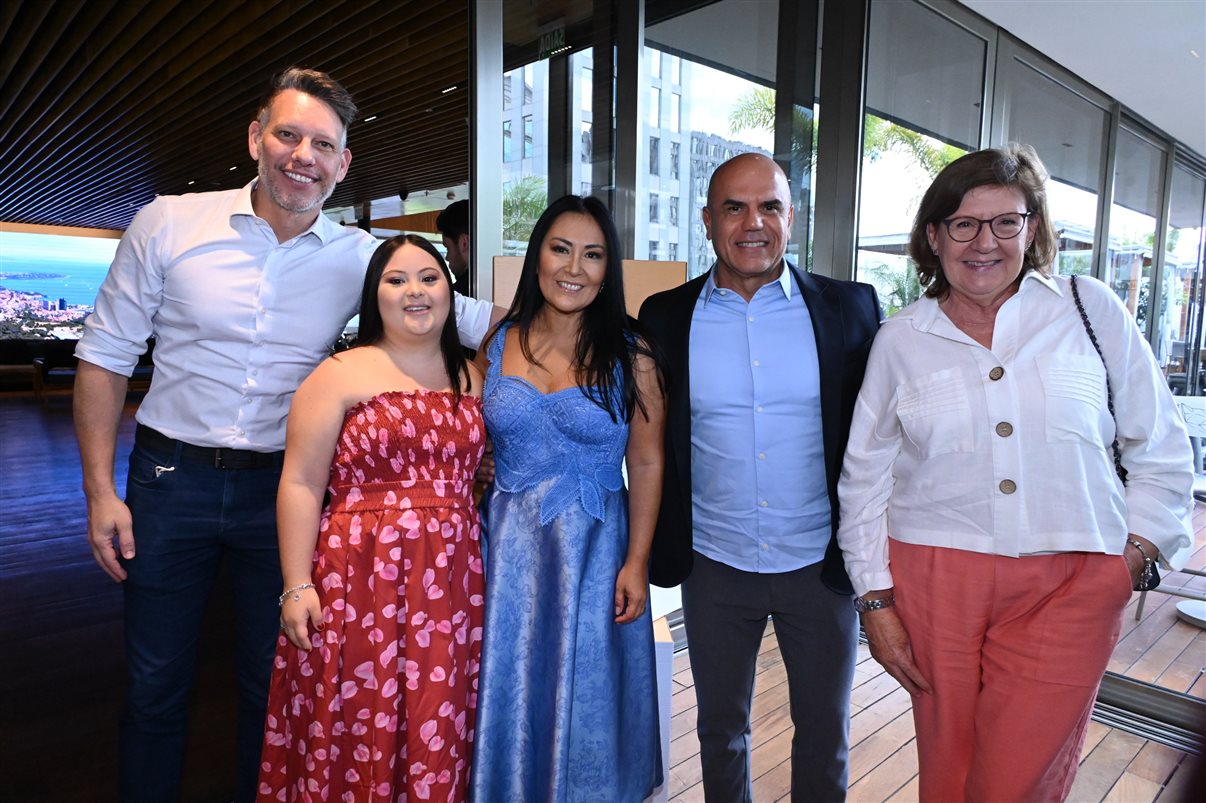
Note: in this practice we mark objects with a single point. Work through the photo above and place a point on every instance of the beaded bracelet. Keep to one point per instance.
(295, 591)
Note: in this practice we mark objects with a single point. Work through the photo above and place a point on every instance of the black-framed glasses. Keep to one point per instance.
(1003, 227)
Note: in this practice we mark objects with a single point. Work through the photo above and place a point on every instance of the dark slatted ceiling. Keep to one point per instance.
(103, 105)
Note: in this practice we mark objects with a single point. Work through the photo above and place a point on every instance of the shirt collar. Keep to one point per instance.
(323, 227)
(924, 312)
(784, 281)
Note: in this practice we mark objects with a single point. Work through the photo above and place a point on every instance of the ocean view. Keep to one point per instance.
(56, 266)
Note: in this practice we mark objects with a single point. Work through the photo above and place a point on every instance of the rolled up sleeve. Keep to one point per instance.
(115, 334)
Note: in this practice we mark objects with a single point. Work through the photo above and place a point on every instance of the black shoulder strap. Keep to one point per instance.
(1084, 318)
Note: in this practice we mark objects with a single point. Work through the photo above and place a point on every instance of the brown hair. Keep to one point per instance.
(1014, 166)
(316, 84)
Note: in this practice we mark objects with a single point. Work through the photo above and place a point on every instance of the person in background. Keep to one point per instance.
(987, 528)
(764, 364)
(244, 292)
(383, 583)
(568, 699)
(453, 226)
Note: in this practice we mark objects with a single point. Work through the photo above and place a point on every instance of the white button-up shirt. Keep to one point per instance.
(1006, 450)
(239, 319)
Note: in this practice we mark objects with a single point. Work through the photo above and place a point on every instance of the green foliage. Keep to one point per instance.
(756, 109)
(896, 288)
(523, 202)
(880, 136)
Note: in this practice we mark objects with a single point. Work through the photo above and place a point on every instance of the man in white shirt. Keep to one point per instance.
(244, 291)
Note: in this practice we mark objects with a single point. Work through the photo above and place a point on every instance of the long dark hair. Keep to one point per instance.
(607, 337)
(372, 329)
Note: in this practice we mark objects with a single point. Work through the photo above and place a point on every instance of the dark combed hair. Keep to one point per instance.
(314, 83)
(607, 337)
(1013, 166)
(372, 328)
(453, 221)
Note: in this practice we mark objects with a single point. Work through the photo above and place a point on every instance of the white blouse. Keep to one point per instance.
(1006, 451)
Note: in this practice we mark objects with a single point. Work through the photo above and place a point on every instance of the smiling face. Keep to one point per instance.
(413, 296)
(299, 147)
(984, 271)
(748, 219)
(573, 263)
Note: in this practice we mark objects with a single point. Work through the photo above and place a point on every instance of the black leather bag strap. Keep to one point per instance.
(1084, 318)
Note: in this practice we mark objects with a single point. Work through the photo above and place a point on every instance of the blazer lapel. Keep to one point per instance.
(678, 357)
(824, 308)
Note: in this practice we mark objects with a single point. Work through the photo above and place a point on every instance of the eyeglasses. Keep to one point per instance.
(1003, 227)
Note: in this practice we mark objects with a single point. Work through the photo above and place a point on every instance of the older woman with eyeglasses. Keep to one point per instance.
(996, 512)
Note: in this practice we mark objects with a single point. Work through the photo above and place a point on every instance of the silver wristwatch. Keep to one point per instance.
(862, 604)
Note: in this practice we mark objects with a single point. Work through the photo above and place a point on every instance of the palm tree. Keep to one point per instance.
(522, 205)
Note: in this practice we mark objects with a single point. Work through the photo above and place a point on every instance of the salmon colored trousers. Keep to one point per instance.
(1015, 649)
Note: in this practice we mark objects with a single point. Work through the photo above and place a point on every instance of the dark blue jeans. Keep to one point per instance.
(188, 518)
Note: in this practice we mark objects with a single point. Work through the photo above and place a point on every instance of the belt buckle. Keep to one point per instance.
(220, 459)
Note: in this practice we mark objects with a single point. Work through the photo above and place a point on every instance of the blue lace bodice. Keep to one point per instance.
(562, 434)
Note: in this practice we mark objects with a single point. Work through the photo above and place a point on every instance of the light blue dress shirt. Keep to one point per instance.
(759, 497)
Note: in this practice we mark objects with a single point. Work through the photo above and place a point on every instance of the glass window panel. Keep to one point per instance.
(1138, 175)
(655, 106)
(1181, 310)
(525, 168)
(924, 90)
(723, 57)
(1068, 132)
(925, 72)
(655, 147)
(581, 111)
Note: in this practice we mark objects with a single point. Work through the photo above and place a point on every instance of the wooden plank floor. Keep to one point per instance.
(61, 673)
(1115, 766)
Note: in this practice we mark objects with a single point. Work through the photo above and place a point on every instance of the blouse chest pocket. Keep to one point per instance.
(935, 413)
(1074, 396)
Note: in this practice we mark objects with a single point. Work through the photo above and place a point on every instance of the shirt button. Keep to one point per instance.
(1004, 429)
(256, 372)
(1008, 486)
(761, 455)
(766, 546)
(763, 503)
(751, 319)
(996, 373)
(757, 363)
(758, 409)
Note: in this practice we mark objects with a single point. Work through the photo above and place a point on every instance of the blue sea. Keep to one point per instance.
(70, 268)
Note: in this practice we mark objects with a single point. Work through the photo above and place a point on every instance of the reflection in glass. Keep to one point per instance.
(1068, 132)
(711, 75)
(925, 81)
(1138, 176)
(525, 168)
(1181, 308)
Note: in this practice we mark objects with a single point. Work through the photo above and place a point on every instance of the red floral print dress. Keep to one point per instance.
(383, 706)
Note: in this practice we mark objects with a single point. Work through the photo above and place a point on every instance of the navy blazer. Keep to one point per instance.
(845, 317)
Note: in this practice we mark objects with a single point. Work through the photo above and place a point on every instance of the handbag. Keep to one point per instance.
(1150, 578)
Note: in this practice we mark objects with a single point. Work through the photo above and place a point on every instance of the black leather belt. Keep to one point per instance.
(206, 455)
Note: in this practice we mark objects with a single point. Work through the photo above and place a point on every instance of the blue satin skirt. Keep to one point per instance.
(567, 701)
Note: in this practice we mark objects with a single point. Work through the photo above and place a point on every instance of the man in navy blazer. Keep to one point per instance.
(764, 365)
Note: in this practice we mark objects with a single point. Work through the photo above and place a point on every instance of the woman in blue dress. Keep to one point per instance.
(567, 702)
